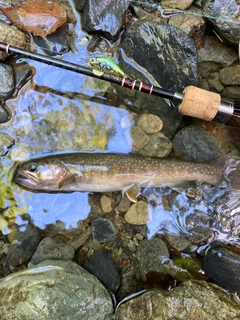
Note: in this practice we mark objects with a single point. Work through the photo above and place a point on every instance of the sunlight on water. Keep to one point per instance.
(178, 214)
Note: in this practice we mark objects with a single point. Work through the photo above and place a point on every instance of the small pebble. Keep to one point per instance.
(106, 204)
(150, 123)
(124, 204)
(139, 236)
(6, 142)
(4, 116)
(136, 138)
(158, 146)
(126, 263)
(131, 246)
(6, 80)
(138, 214)
(103, 230)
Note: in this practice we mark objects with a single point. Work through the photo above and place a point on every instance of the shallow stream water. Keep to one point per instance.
(58, 111)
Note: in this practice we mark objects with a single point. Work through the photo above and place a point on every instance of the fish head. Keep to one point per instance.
(42, 174)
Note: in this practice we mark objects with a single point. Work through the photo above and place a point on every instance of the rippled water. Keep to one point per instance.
(59, 111)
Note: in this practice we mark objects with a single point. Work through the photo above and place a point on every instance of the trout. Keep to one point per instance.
(94, 172)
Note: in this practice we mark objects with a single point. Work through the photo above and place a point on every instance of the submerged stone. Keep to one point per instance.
(191, 300)
(4, 116)
(6, 81)
(52, 249)
(195, 143)
(23, 246)
(6, 142)
(222, 266)
(158, 146)
(149, 253)
(54, 44)
(103, 230)
(54, 290)
(102, 266)
(163, 56)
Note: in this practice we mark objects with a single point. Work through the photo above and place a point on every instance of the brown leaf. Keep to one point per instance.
(37, 17)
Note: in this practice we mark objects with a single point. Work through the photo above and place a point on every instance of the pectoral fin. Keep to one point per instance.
(64, 180)
(132, 192)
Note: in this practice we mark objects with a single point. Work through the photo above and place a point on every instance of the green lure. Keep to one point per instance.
(105, 65)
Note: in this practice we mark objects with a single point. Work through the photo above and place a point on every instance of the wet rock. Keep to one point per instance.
(139, 213)
(77, 243)
(103, 230)
(187, 301)
(6, 142)
(54, 44)
(124, 204)
(4, 116)
(52, 249)
(23, 246)
(176, 4)
(158, 146)
(22, 74)
(149, 253)
(72, 293)
(79, 4)
(6, 81)
(223, 12)
(165, 41)
(104, 17)
(101, 265)
(148, 46)
(230, 76)
(136, 138)
(12, 36)
(106, 204)
(179, 242)
(176, 272)
(150, 123)
(222, 264)
(216, 51)
(192, 23)
(3, 246)
(207, 68)
(215, 84)
(194, 143)
(37, 17)
(232, 92)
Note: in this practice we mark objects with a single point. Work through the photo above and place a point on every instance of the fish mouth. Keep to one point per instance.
(26, 180)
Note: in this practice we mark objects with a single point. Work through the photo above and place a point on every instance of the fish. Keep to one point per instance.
(106, 172)
(105, 65)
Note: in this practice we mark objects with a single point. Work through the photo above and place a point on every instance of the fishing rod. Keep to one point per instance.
(194, 102)
(167, 12)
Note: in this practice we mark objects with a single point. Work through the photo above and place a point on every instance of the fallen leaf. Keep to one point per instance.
(36, 16)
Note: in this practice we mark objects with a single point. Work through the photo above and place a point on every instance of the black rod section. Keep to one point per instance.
(125, 81)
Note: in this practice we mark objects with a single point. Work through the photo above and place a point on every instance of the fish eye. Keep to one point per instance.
(32, 167)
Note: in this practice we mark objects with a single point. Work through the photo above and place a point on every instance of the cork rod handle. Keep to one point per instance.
(200, 103)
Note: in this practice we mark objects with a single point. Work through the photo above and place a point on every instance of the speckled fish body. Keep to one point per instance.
(105, 64)
(109, 172)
